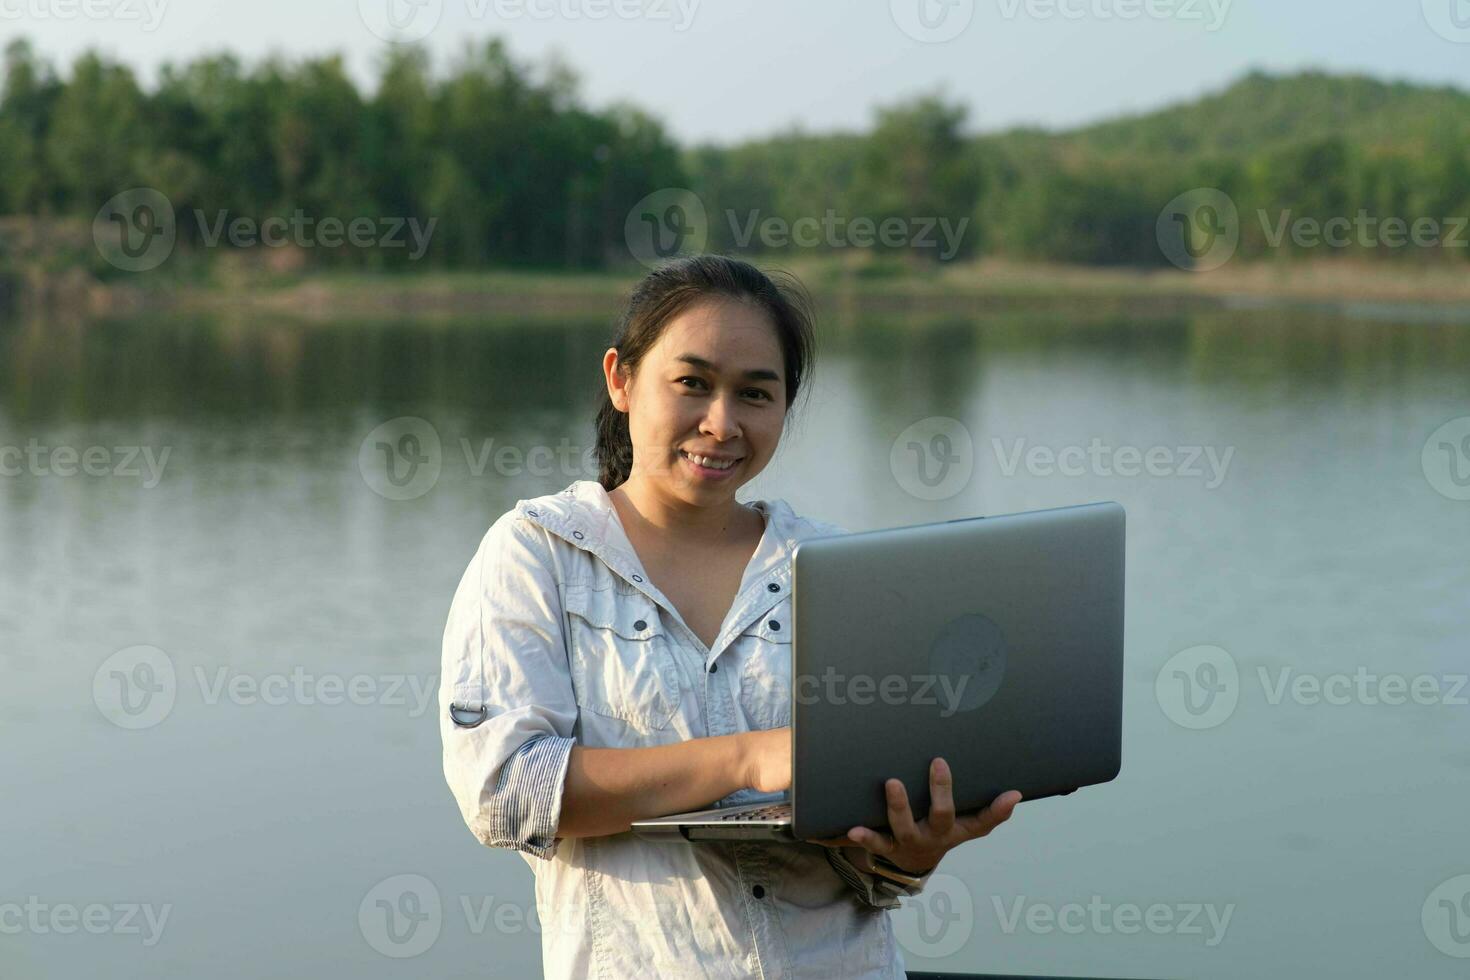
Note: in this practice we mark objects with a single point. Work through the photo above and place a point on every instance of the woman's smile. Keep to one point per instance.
(717, 468)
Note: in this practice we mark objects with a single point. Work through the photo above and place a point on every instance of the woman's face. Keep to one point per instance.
(713, 385)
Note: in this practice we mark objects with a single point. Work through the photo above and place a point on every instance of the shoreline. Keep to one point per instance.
(842, 289)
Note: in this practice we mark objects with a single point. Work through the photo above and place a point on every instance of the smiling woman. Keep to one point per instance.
(614, 652)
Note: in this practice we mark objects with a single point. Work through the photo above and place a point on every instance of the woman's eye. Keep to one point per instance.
(749, 392)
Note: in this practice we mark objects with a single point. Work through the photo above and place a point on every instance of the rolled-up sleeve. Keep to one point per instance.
(506, 703)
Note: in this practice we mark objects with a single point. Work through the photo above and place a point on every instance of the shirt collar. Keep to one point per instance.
(583, 515)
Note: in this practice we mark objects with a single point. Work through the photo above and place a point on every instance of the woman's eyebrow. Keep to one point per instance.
(759, 374)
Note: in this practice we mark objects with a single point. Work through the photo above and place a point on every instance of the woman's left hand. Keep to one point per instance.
(916, 847)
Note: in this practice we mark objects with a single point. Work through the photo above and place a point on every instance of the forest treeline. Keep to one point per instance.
(516, 170)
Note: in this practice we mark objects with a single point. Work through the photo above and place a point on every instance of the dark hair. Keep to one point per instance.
(673, 288)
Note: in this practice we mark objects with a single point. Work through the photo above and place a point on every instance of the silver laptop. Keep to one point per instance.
(994, 642)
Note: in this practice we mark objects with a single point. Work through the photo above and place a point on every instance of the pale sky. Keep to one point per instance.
(724, 70)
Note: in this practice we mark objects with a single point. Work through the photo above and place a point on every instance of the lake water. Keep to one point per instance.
(221, 757)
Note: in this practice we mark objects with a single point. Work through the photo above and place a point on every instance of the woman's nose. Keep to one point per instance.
(720, 420)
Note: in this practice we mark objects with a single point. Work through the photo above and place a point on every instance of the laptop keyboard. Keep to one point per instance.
(777, 811)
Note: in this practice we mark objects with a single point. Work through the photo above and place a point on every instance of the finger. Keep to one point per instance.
(873, 840)
(900, 817)
(941, 798)
(983, 822)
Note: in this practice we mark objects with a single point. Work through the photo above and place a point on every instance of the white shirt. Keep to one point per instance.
(556, 637)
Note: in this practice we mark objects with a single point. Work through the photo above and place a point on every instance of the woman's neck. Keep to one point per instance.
(648, 510)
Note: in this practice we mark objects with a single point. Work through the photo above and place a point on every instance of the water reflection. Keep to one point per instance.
(265, 550)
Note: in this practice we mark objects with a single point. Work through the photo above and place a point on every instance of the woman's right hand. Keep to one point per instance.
(767, 759)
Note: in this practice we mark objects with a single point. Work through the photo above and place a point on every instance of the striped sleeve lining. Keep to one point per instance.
(525, 808)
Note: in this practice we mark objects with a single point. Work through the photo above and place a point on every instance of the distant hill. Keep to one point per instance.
(1262, 112)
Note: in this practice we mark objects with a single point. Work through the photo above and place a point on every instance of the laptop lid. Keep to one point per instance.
(994, 642)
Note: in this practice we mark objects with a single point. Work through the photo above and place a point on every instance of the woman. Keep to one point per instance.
(615, 652)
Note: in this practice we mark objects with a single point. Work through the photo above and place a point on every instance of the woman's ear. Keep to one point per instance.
(617, 381)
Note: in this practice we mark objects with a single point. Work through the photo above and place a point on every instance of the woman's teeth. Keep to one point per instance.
(713, 464)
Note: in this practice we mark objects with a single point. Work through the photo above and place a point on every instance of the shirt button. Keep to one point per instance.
(773, 587)
(577, 535)
(775, 624)
(758, 891)
(639, 624)
(713, 668)
(638, 578)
